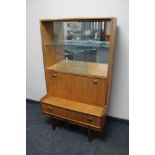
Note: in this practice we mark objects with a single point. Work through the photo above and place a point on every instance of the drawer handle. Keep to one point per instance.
(95, 82)
(50, 108)
(54, 75)
(89, 120)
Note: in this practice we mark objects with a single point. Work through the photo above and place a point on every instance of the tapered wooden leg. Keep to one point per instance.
(54, 123)
(90, 135)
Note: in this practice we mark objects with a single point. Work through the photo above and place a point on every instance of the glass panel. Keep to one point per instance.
(82, 40)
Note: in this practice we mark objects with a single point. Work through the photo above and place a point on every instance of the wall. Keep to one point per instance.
(39, 9)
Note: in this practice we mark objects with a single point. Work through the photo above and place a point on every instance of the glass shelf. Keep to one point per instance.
(87, 41)
(82, 43)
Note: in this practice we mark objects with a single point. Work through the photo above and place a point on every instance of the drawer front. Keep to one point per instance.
(72, 115)
(84, 118)
(53, 110)
(47, 108)
(79, 88)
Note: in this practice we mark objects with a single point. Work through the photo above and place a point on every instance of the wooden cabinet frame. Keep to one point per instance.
(57, 81)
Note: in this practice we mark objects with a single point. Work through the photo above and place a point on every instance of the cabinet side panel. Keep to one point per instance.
(47, 37)
(111, 57)
(48, 51)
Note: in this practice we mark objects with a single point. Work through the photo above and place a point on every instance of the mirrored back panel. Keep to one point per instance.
(84, 40)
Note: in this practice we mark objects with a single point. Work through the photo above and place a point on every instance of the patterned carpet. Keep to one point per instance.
(69, 139)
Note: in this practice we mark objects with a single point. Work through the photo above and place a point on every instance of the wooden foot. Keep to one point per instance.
(54, 123)
(90, 135)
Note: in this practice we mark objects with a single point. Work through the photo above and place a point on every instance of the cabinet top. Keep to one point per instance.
(78, 18)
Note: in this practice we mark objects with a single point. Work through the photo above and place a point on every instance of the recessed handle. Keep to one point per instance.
(95, 81)
(50, 108)
(54, 75)
(89, 119)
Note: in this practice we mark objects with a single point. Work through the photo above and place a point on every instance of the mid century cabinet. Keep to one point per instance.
(78, 61)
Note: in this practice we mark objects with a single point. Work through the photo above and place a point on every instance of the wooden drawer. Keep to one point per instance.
(84, 118)
(76, 117)
(92, 120)
(53, 110)
(83, 89)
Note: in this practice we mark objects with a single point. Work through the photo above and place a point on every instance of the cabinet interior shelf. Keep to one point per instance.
(83, 43)
(91, 69)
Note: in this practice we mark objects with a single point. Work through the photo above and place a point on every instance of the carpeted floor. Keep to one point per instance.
(69, 139)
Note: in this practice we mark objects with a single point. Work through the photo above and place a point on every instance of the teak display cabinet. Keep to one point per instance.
(78, 60)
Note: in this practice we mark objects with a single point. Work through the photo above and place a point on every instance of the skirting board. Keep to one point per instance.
(111, 118)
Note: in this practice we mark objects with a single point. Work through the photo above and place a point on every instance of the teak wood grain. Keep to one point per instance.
(74, 106)
(78, 88)
(72, 115)
(48, 52)
(76, 19)
(113, 28)
(78, 92)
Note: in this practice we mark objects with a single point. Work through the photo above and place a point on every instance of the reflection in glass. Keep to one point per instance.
(83, 40)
